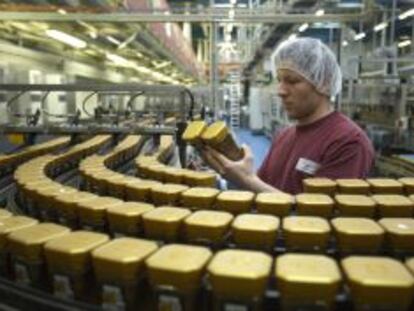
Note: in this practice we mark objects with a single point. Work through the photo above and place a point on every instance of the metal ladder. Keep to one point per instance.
(235, 92)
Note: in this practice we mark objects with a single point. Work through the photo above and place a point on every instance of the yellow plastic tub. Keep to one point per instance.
(219, 137)
(47, 207)
(399, 233)
(319, 185)
(69, 262)
(193, 132)
(179, 267)
(92, 213)
(199, 197)
(378, 283)
(200, 179)
(385, 186)
(278, 204)
(410, 264)
(235, 202)
(307, 280)
(256, 231)
(167, 194)
(314, 205)
(119, 268)
(4, 214)
(207, 226)
(353, 186)
(355, 205)
(239, 274)
(306, 233)
(26, 250)
(67, 207)
(164, 223)
(358, 235)
(140, 190)
(126, 218)
(393, 205)
(408, 183)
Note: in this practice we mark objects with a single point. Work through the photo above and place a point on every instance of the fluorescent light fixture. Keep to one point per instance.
(303, 27)
(118, 60)
(404, 43)
(233, 2)
(320, 12)
(345, 43)
(113, 40)
(292, 36)
(360, 36)
(380, 26)
(62, 11)
(66, 38)
(406, 14)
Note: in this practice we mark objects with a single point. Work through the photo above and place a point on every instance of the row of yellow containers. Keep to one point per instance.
(88, 211)
(235, 202)
(75, 259)
(124, 150)
(404, 185)
(9, 161)
(99, 179)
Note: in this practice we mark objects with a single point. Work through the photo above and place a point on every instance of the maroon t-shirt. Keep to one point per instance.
(333, 147)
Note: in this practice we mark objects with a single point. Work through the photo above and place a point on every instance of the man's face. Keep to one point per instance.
(299, 97)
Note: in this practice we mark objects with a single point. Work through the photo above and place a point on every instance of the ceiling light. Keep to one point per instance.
(344, 43)
(360, 36)
(113, 40)
(404, 43)
(320, 12)
(380, 27)
(303, 27)
(62, 11)
(406, 14)
(66, 38)
(292, 36)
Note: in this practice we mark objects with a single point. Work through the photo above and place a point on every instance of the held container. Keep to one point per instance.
(219, 137)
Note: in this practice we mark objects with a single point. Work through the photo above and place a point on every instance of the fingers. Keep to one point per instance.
(213, 162)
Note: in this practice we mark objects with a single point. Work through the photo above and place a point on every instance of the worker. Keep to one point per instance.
(321, 143)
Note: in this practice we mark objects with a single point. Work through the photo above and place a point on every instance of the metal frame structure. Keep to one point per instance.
(94, 127)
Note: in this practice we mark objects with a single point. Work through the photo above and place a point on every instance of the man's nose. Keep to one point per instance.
(281, 89)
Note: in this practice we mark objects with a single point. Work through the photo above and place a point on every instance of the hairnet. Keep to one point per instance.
(313, 60)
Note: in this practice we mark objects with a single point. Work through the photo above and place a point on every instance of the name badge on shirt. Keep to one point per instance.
(307, 166)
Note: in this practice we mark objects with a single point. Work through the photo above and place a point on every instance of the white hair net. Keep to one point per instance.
(313, 60)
